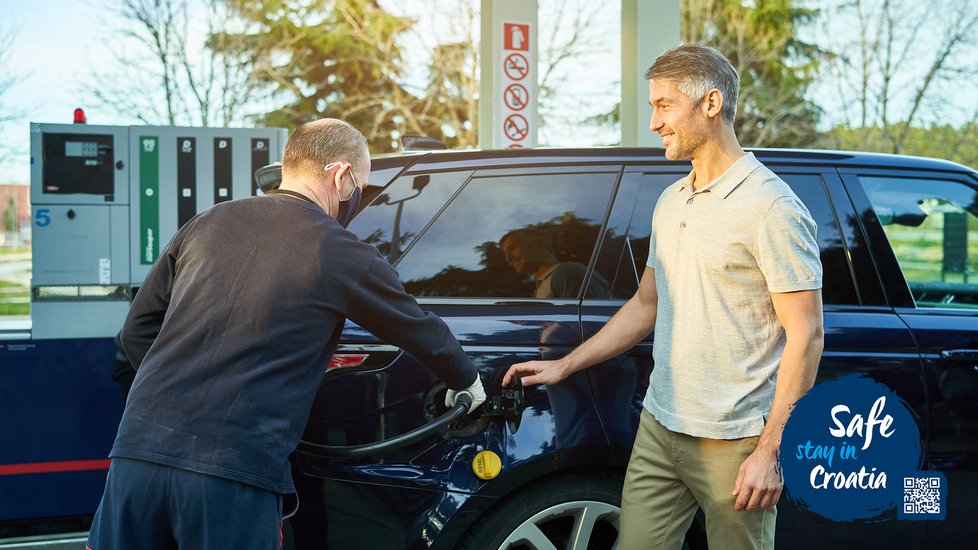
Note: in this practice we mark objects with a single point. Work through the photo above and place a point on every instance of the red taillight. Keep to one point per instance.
(347, 360)
(80, 117)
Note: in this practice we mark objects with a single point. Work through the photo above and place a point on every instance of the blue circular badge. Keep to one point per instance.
(846, 449)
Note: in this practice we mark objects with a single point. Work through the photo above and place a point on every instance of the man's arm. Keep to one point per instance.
(759, 482)
(633, 322)
(380, 305)
(148, 308)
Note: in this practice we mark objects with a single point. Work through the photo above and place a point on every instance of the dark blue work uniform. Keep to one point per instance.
(230, 334)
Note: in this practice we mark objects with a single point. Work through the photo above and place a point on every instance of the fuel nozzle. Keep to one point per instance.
(508, 404)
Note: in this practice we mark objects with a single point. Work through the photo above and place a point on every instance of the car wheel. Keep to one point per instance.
(580, 512)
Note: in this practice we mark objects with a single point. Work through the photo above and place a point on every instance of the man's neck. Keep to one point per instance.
(322, 200)
(544, 270)
(715, 157)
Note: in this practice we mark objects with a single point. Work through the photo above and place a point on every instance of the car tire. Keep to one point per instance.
(551, 514)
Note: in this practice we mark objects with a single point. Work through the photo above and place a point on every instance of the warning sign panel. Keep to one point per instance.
(517, 86)
(516, 127)
(516, 67)
(516, 97)
(516, 36)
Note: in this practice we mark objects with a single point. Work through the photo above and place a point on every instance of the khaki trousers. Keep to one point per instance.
(670, 473)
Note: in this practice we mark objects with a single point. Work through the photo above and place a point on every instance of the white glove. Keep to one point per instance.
(478, 395)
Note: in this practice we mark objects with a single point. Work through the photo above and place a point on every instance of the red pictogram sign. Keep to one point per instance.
(516, 97)
(516, 36)
(516, 127)
(516, 66)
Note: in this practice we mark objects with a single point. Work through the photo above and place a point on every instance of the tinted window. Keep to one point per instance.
(631, 216)
(550, 223)
(837, 284)
(932, 227)
(403, 209)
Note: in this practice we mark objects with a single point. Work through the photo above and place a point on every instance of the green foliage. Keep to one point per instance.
(327, 58)
(776, 68)
(955, 143)
(341, 59)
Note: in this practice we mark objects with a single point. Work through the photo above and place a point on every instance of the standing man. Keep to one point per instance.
(230, 334)
(733, 291)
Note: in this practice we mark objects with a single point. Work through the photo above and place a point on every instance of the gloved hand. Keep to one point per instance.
(478, 395)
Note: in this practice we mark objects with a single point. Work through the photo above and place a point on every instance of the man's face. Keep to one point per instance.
(683, 126)
(521, 256)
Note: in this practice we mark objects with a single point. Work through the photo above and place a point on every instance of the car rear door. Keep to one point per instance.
(441, 229)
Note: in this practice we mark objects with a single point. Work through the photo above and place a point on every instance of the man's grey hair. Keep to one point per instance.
(318, 143)
(696, 70)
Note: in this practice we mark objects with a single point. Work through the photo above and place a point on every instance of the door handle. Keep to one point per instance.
(961, 355)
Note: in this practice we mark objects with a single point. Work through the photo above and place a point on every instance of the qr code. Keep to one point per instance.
(921, 495)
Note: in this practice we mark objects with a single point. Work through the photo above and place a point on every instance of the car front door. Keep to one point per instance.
(925, 231)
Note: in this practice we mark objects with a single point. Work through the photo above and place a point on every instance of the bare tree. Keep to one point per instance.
(175, 64)
(448, 99)
(8, 78)
(903, 69)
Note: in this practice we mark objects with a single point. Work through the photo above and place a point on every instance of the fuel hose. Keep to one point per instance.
(463, 400)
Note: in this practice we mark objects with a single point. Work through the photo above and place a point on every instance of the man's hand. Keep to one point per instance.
(478, 395)
(758, 482)
(537, 372)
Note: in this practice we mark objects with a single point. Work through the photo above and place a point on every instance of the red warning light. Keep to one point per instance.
(80, 117)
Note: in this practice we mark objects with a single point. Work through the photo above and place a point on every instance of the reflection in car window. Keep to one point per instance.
(838, 287)
(932, 226)
(548, 225)
(631, 215)
(404, 209)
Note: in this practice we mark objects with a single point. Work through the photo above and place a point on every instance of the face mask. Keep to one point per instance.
(348, 208)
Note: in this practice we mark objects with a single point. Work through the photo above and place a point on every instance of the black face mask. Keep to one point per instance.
(348, 208)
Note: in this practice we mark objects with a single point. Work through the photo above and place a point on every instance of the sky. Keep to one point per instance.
(60, 42)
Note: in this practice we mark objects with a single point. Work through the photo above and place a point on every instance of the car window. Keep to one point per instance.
(397, 214)
(631, 216)
(838, 287)
(527, 236)
(837, 283)
(932, 227)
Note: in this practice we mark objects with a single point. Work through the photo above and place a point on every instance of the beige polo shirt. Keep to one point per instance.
(717, 254)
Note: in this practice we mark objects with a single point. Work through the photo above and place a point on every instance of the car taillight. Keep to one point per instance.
(347, 360)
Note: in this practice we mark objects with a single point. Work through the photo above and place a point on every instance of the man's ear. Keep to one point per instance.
(713, 103)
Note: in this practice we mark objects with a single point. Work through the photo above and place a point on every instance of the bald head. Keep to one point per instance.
(316, 144)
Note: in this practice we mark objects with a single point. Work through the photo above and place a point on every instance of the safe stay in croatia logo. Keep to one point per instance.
(851, 451)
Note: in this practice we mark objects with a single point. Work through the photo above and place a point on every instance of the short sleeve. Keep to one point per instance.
(650, 263)
(787, 249)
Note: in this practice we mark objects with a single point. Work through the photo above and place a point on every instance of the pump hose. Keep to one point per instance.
(463, 400)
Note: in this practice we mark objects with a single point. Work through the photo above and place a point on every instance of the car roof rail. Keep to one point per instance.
(414, 142)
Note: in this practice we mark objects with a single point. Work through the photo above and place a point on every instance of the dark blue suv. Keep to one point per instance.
(899, 247)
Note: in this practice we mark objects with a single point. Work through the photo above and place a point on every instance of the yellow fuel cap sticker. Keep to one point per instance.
(486, 465)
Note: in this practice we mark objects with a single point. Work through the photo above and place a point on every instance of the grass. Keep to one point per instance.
(13, 251)
(14, 299)
(15, 309)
